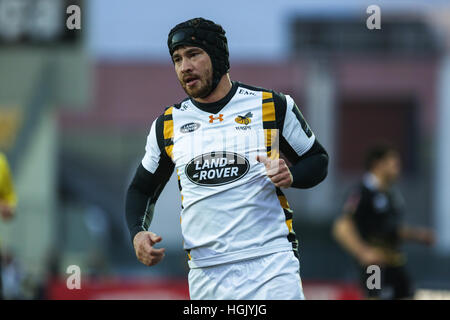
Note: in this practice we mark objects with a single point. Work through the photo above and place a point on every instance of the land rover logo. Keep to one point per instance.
(217, 168)
(189, 127)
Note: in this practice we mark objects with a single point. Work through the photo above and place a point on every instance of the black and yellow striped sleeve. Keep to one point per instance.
(298, 144)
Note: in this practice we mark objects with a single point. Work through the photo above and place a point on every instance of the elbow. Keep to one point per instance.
(321, 172)
(322, 165)
(323, 168)
(335, 229)
(338, 229)
(138, 186)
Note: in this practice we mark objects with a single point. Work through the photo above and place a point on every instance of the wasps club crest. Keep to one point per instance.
(244, 119)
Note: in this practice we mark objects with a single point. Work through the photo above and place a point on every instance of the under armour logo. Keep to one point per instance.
(212, 118)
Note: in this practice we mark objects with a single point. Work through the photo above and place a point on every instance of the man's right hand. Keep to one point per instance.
(143, 246)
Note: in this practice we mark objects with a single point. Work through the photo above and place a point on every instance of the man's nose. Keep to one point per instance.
(186, 66)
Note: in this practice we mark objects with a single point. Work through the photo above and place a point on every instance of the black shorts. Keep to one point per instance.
(395, 284)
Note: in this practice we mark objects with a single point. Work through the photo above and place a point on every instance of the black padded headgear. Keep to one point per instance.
(205, 34)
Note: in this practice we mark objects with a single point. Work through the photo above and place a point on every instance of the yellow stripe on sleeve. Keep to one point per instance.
(168, 125)
(268, 108)
(169, 150)
(289, 224)
(168, 131)
(283, 202)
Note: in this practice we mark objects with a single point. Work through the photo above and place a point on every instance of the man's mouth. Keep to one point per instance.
(190, 81)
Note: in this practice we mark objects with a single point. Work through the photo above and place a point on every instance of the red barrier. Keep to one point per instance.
(175, 289)
(320, 290)
(120, 289)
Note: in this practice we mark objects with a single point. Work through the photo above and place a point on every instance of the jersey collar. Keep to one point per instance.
(371, 181)
(215, 107)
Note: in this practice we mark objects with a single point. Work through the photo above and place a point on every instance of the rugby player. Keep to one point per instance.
(8, 201)
(371, 228)
(235, 220)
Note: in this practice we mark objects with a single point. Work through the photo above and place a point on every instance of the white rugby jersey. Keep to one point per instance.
(230, 209)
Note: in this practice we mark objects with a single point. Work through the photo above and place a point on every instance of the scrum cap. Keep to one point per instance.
(205, 34)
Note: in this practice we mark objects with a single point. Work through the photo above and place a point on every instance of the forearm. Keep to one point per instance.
(135, 210)
(417, 234)
(141, 197)
(347, 235)
(406, 233)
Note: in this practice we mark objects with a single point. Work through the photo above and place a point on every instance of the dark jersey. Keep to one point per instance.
(376, 214)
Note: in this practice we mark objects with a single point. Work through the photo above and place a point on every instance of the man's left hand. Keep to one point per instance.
(6, 212)
(425, 236)
(277, 171)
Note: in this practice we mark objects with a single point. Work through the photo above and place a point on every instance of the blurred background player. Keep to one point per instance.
(8, 202)
(370, 226)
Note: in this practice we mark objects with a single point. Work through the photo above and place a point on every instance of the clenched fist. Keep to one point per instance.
(277, 171)
(371, 256)
(143, 243)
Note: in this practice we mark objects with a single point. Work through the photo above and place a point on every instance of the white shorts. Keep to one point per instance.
(271, 277)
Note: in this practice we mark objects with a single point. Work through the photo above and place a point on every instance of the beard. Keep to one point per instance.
(201, 89)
